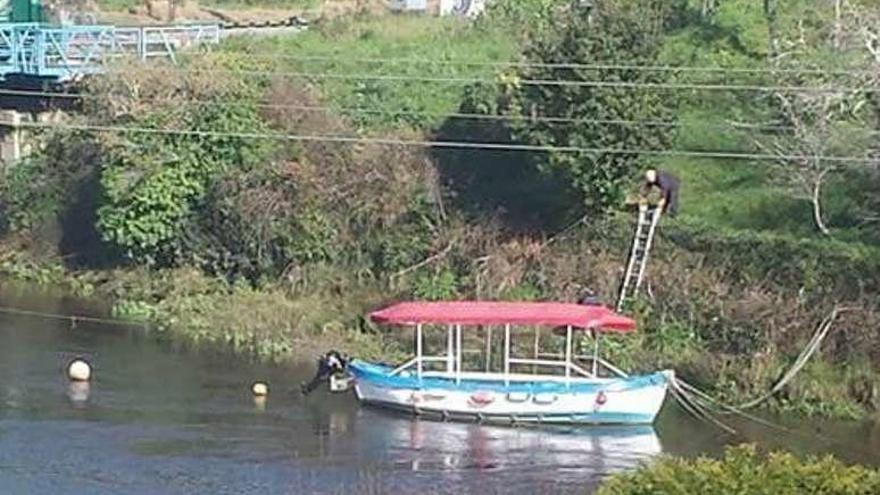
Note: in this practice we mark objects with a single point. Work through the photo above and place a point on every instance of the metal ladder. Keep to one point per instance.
(638, 256)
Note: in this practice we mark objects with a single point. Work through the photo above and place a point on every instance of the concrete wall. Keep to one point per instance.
(16, 136)
(17, 133)
(12, 146)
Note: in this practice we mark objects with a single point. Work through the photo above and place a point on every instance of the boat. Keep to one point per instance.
(526, 385)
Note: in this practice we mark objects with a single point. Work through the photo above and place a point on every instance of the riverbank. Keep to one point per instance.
(703, 318)
(192, 309)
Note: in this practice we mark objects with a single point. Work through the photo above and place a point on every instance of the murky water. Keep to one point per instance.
(160, 420)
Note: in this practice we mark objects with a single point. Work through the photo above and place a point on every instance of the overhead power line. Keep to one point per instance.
(541, 65)
(444, 144)
(519, 82)
(731, 126)
(415, 113)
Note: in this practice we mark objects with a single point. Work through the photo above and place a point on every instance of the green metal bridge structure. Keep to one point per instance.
(31, 46)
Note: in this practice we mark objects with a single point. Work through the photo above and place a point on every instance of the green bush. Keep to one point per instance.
(37, 189)
(820, 266)
(605, 34)
(525, 18)
(153, 183)
(745, 471)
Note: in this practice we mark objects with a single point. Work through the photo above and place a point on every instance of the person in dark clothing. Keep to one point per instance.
(334, 362)
(668, 185)
(589, 298)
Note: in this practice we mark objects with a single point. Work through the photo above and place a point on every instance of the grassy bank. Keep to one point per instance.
(191, 308)
(346, 60)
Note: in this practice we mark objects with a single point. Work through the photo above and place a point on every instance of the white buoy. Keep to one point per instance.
(260, 389)
(79, 371)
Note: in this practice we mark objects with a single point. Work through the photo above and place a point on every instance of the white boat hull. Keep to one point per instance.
(633, 400)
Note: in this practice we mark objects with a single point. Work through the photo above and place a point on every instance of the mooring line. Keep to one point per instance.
(73, 319)
(696, 410)
(690, 396)
(802, 359)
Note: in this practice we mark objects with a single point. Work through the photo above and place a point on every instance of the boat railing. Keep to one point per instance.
(454, 350)
(591, 359)
(558, 364)
(416, 361)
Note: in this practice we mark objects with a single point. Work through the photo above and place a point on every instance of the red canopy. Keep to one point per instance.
(500, 313)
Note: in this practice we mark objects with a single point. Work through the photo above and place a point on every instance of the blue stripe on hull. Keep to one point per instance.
(380, 375)
(599, 418)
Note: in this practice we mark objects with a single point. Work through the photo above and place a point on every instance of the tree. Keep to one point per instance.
(803, 165)
(604, 100)
(866, 23)
(153, 183)
(824, 81)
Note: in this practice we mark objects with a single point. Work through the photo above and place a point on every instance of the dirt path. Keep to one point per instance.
(192, 11)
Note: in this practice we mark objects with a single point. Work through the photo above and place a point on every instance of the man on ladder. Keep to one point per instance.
(646, 225)
(668, 185)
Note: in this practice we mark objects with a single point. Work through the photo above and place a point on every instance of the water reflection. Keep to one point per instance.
(78, 394)
(425, 445)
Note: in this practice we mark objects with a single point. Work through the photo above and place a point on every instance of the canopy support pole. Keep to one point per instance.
(507, 354)
(450, 359)
(537, 346)
(419, 351)
(568, 354)
(458, 354)
(595, 354)
(488, 348)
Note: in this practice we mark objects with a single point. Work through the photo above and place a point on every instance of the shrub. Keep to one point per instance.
(152, 182)
(605, 34)
(744, 471)
(37, 189)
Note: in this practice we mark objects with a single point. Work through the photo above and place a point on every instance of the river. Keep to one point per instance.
(157, 419)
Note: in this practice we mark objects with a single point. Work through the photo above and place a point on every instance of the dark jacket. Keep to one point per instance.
(669, 186)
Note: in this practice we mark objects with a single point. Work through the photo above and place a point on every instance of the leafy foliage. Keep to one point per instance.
(602, 35)
(37, 189)
(154, 181)
(744, 470)
(436, 286)
(525, 18)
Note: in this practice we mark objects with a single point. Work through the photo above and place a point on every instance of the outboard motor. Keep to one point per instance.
(329, 365)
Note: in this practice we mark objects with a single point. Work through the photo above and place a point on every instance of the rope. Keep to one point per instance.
(73, 319)
(460, 81)
(801, 360)
(703, 406)
(691, 405)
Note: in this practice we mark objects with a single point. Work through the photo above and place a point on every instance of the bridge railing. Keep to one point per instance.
(67, 52)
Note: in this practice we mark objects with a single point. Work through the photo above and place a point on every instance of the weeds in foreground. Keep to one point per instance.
(744, 470)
